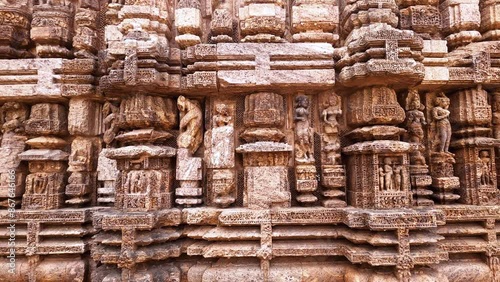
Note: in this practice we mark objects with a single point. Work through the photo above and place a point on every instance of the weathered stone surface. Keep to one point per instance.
(253, 140)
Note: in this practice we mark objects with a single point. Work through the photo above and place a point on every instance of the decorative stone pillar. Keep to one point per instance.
(14, 30)
(419, 171)
(306, 181)
(188, 23)
(85, 148)
(46, 160)
(474, 149)
(12, 172)
(423, 17)
(315, 21)
(441, 160)
(265, 159)
(52, 29)
(461, 21)
(490, 19)
(332, 169)
(262, 21)
(378, 161)
(189, 169)
(219, 154)
(145, 177)
(221, 25)
(85, 39)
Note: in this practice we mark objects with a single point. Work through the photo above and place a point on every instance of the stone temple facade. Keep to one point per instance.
(250, 140)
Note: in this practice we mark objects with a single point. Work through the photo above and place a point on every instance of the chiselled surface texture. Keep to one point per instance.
(249, 140)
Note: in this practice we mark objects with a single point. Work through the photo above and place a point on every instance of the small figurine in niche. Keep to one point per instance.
(330, 115)
(398, 179)
(415, 118)
(222, 116)
(110, 122)
(388, 174)
(381, 179)
(440, 115)
(190, 126)
(485, 168)
(303, 131)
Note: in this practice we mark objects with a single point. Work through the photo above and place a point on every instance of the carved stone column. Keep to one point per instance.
(265, 159)
(46, 159)
(144, 181)
(490, 19)
(222, 22)
(474, 148)
(12, 171)
(188, 22)
(219, 154)
(461, 20)
(85, 148)
(14, 30)
(85, 38)
(262, 21)
(52, 29)
(439, 133)
(315, 21)
(378, 161)
(332, 169)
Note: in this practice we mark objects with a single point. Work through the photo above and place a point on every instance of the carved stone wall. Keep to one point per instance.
(249, 140)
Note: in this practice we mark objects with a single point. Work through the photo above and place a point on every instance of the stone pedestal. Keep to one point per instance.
(189, 175)
(333, 182)
(266, 174)
(420, 180)
(444, 182)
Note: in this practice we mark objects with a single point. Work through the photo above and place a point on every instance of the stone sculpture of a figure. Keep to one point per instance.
(415, 119)
(190, 126)
(485, 176)
(329, 117)
(303, 131)
(110, 112)
(222, 116)
(440, 115)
